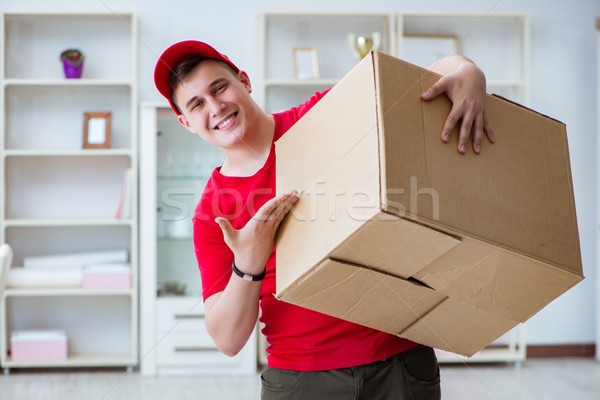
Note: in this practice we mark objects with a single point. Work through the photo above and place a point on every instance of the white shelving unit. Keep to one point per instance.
(175, 165)
(59, 198)
(598, 194)
(498, 43)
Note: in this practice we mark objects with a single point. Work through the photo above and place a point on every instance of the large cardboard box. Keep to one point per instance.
(399, 232)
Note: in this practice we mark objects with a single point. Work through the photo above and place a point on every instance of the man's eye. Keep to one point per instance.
(198, 104)
(220, 88)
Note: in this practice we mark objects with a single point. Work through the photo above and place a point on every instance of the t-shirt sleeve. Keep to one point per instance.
(213, 255)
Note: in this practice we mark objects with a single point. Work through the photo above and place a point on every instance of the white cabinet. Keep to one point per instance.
(174, 167)
(59, 198)
(498, 43)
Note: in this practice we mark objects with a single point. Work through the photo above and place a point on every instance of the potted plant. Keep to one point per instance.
(72, 63)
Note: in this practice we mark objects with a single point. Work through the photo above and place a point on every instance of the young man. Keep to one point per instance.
(311, 355)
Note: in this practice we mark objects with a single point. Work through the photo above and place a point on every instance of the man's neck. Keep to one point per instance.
(249, 157)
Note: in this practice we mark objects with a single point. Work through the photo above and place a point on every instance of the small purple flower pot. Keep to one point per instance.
(72, 71)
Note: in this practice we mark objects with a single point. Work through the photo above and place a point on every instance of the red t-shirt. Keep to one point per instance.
(299, 339)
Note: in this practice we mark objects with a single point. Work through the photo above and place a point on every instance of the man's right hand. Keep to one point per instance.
(253, 244)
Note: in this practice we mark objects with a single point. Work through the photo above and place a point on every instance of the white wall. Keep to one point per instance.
(563, 86)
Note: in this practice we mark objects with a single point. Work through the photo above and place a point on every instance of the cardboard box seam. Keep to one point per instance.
(421, 318)
(380, 154)
(574, 282)
(457, 235)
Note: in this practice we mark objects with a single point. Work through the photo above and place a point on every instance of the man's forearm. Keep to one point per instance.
(449, 64)
(232, 314)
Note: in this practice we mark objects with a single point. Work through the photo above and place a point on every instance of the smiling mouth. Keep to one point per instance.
(226, 121)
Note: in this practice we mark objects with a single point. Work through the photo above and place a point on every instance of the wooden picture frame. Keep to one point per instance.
(423, 49)
(306, 63)
(97, 130)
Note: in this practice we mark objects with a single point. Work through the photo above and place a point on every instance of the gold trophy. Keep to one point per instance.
(362, 45)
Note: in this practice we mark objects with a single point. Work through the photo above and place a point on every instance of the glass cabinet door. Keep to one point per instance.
(183, 165)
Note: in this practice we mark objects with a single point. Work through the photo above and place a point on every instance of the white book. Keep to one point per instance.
(107, 268)
(75, 260)
(30, 277)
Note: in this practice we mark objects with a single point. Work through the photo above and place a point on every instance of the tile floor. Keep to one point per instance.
(538, 379)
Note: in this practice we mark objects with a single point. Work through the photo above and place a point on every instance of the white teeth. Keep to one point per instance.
(226, 122)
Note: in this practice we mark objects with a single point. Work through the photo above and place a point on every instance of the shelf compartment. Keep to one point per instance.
(87, 332)
(476, 35)
(55, 188)
(36, 241)
(34, 42)
(52, 119)
(325, 32)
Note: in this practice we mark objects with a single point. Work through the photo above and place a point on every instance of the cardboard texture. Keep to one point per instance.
(398, 231)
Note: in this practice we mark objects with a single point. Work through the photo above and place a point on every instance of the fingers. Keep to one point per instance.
(488, 129)
(477, 134)
(284, 207)
(449, 125)
(226, 228)
(276, 208)
(471, 122)
(438, 88)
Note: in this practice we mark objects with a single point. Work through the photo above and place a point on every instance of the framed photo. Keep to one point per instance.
(306, 63)
(424, 49)
(96, 130)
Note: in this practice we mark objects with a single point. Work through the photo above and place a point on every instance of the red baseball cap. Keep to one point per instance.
(175, 55)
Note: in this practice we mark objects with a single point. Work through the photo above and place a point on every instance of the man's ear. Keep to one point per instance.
(245, 79)
(183, 121)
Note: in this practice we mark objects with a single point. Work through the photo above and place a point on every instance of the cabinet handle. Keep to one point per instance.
(189, 316)
(193, 349)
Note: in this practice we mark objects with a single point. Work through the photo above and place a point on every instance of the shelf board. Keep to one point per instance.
(506, 83)
(173, 239)
(458, 15)
(41, 222)
(68, 153)
(182, 177)
(66, 82)
(491, 354)
(300, 83)
(64, 291)
(97, 360)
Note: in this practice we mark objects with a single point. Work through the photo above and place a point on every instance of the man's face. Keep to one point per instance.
(216, 104)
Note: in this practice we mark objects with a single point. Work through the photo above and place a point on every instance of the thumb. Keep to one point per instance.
(225, 226)
(438, 88)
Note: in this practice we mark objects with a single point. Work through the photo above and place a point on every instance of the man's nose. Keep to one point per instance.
(215, 106)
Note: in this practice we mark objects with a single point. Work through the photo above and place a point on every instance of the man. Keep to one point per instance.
(311, 355)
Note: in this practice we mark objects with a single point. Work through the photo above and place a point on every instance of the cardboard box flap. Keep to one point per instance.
(523, 180)
(362, 295)
(404, 247)
(459, 328)
(503, 283)
(342, 142)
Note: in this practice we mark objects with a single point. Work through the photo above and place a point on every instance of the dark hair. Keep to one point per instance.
(184, 69)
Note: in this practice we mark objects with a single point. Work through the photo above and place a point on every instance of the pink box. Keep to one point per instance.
(38, 345)
(103, 277)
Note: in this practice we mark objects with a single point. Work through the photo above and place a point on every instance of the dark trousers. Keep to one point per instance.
(410, 375)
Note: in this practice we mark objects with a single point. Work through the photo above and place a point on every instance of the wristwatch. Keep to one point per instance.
(247, 277)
